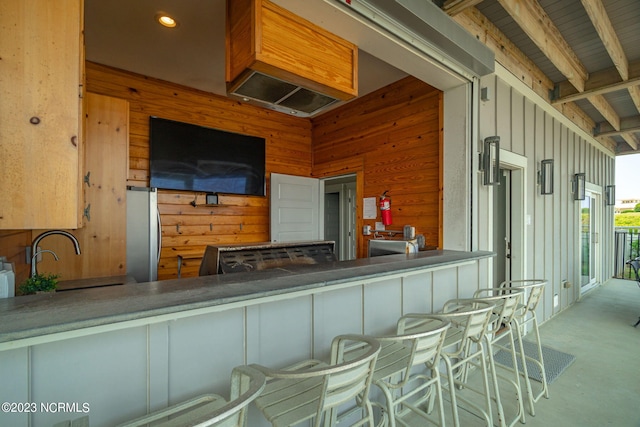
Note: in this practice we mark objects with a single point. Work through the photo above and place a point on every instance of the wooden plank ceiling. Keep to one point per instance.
(586, 51)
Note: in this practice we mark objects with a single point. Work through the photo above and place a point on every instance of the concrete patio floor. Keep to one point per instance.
(602, 386)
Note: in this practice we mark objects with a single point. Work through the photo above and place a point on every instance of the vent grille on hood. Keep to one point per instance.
(280, 95)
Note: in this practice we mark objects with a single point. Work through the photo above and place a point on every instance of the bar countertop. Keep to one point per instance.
(38, 315)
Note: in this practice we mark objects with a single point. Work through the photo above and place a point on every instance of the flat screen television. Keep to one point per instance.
(196, 158)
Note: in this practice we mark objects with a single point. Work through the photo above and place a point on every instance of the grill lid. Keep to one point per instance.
(261, 259)
(262, 256)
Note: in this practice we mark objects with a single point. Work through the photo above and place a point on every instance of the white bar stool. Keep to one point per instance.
(418, 342)
(464, 348)
(526, 314)
(313, 389)
(211, 409)
(501, 329)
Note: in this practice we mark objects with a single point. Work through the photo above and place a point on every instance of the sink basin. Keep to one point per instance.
(94, 282)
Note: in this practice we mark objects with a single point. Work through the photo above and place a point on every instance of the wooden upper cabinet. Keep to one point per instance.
(264, 37)
(41, 71)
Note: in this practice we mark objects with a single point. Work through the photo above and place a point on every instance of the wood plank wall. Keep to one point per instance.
(12, 246)
(391, 139)
(402, 122)
(187, 229)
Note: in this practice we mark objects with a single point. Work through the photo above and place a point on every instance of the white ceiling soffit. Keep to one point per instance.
(341, 19)
(425, 26)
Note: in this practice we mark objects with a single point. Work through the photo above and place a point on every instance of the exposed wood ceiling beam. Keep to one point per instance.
(608, 81)
(631, 140)
(514, 60)
(627, 125)
(535, 22)
(607, 78)
(600, 19)
(608, 141)
(602, 24)
(606, 110)
(453, 7)
(579, 84)
(601, 90)
(600, 83)
(635, 96)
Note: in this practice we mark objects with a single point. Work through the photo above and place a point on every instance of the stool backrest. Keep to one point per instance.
(246, 385)
(348, 378)
(506, 300)
(426, 335)
(533, 287)
(349, 374)
(423, 335)
(212, 410)
(471, 316)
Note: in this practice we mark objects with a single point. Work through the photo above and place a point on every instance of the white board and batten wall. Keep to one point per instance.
(531, 130)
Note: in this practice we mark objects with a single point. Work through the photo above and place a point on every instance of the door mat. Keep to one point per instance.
(555, 361)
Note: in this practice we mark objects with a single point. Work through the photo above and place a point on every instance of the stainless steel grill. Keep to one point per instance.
(261, 256)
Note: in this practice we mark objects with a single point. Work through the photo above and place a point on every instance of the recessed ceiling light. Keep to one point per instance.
(166, 20)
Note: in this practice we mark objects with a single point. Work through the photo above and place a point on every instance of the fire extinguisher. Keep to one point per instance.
(385, 208)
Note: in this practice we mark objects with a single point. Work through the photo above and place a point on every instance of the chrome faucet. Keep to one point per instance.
(36, 241)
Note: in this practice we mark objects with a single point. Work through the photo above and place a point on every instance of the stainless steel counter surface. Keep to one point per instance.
(38, 315)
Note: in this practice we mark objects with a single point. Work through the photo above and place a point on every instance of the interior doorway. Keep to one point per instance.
(502, 228)
(340, 215)
(510, 219)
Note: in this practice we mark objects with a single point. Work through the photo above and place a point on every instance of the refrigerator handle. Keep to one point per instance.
(159, 231)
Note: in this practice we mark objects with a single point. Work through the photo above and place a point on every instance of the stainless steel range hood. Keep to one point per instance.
(269, 92)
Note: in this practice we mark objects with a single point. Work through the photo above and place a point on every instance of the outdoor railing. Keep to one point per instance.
(627, 247)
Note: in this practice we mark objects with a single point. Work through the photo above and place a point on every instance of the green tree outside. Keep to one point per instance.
(627, 219)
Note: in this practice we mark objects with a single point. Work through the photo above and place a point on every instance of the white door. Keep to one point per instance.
(589, 240)
(295, 208)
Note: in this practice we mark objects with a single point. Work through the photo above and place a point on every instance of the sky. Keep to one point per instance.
(628, 177)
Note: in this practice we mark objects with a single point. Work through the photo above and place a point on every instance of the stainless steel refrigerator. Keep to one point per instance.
(143, 233)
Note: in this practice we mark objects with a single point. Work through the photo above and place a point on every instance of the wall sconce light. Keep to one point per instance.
(491, 160)
(485, 95)
(610, 195)
(545, 176)
(579, 186)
